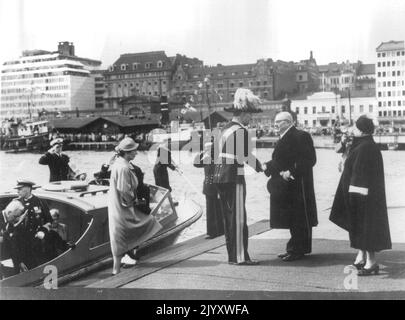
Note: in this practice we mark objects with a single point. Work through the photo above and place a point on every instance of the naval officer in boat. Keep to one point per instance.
(41, 243)
(128, 226)
(57, 161)
(234, 151)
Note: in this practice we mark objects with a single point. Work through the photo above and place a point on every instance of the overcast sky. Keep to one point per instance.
(216, 31)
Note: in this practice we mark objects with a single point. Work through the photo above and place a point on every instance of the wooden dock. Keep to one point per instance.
(160, 260)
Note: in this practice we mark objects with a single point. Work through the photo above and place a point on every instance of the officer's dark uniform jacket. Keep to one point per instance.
(38, 215)
(233, 154)
(58, 165)
(203, 160)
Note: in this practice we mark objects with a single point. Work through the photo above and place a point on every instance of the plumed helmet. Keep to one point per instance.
(245, 101)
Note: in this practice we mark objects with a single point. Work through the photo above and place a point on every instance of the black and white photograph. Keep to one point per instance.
(202, 150)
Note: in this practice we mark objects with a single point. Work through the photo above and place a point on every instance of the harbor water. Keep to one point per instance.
(189, 183)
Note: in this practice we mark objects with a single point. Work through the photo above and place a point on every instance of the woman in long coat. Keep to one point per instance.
(360, 205)
(128, 226)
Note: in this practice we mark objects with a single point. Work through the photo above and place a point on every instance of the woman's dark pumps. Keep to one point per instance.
(359, 265)
(369, 271)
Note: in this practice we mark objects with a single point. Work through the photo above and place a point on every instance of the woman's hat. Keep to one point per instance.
(56, 141)
(127, 144)
(244, 101)
(365, 124)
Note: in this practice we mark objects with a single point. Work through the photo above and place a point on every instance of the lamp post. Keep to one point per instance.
(207, 85)
(350, 106)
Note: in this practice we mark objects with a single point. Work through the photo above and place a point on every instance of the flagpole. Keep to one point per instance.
(206, 80)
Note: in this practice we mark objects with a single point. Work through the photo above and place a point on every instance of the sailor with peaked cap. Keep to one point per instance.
(36, 223)
(128, 226)
(234, 150)
(57, 161)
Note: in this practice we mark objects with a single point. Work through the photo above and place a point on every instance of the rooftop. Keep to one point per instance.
(391, 45)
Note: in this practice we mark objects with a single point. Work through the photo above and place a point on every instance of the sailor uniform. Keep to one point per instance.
(58, 165)
(230, 181)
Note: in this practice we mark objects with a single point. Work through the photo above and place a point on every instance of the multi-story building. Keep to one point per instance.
(338, 77)
(142, 74)
(268, 79)
(307, 75)
(390, 78)
(323, 109)
(365, 76)
(51, 81)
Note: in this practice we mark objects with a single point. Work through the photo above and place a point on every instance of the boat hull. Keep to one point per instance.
(92, 242)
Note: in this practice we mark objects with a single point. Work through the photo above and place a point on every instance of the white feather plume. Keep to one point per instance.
(245, 99)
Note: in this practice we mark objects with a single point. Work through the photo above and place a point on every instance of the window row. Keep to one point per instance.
(390, 83)
(324, 109)
(391, 93)
(394, 103)
(391, 113)
(390, 73)
(390, 54)
(392, 63)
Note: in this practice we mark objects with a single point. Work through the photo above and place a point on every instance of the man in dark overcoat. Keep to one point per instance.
(291, 186)
(360, 205)
(234, 150)
(57, 161)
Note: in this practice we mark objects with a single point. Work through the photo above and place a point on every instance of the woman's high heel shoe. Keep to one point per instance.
(367, 272)
(359, 265)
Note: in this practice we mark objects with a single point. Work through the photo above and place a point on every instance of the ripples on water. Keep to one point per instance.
(326, 176)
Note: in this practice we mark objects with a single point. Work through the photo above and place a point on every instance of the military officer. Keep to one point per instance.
(215, 221)
(42, 242)
(57, 161)
(234, 151)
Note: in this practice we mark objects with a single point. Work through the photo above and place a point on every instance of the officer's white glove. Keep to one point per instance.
(40, 235)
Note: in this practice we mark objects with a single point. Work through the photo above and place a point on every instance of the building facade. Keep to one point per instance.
(323, 109)
(307, 75)
(51, 81)
(338, 77)
(147, 74)
(390, 79)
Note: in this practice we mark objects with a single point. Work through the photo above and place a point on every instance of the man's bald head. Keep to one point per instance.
(283, 121)
(284, 115)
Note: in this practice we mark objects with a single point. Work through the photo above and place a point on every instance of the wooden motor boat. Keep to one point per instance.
(83, 209)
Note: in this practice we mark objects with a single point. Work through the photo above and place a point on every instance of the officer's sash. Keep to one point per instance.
(227, 133)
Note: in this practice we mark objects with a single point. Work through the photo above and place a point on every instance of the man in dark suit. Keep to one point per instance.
(292, 199)
(57, 161)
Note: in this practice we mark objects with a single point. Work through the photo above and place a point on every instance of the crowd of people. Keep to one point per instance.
(359, 206)
(97, 137)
